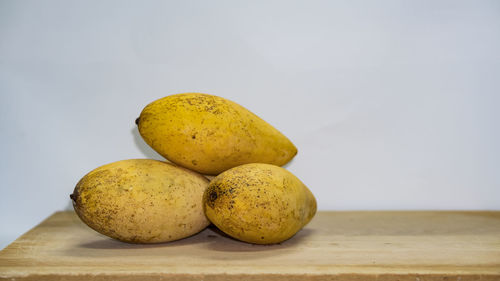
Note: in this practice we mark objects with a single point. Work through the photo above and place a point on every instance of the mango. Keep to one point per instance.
(259, 203)
(142, 201)
(210, 134)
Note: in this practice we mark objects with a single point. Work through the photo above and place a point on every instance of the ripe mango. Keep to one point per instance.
(141, 201)
(259, 203)
(210, 134)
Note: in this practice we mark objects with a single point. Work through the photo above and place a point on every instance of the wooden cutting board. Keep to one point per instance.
(414, 246)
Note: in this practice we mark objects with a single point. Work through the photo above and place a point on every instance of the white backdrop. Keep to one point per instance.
(392, 104)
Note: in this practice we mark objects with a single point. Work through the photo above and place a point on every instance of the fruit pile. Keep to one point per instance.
(251, 198)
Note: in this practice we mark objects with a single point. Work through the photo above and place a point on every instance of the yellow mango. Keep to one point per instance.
(142, 201)
(259, 203)
(210, 134)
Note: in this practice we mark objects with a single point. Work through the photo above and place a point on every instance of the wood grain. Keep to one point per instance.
(337, 246)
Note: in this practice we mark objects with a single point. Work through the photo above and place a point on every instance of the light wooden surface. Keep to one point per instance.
(338, 246)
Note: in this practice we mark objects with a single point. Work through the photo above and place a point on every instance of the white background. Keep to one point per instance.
(392, 104)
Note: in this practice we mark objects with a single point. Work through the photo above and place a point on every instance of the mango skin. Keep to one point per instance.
(259, 203)
(210, 134)
(142, 201)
